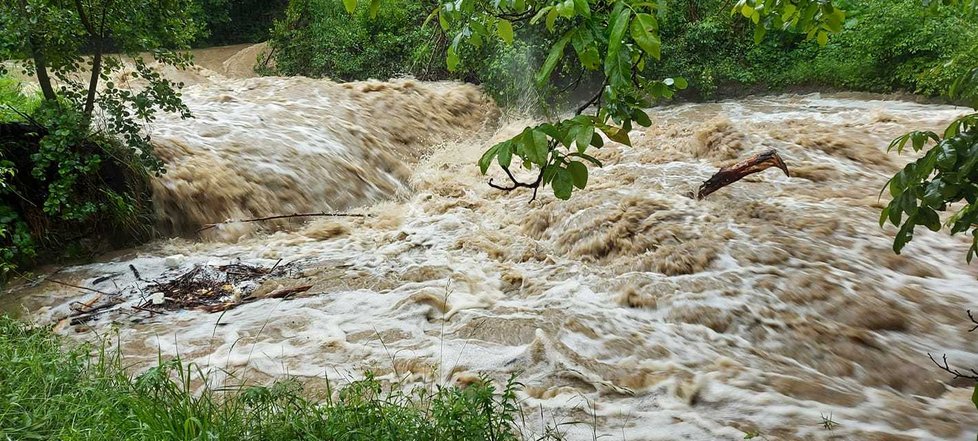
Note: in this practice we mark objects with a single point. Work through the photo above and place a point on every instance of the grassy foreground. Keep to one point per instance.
(48, 391)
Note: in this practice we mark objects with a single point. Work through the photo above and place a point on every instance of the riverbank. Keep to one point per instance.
(49, 390)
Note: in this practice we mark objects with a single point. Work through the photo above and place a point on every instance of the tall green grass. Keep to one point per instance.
(14, 102)
(48, 391)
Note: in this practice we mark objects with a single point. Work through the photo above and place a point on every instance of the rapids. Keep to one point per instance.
(770, 304)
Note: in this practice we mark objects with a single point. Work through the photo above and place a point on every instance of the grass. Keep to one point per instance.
(50, 391)
(12, 97)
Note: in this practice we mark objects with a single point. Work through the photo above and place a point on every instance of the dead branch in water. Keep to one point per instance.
(48, 279)
(284, 216)
(736, 172)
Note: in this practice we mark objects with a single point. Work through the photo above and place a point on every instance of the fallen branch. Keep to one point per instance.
(284, 216)
(286, 292)
(76, 286)
(736, 172)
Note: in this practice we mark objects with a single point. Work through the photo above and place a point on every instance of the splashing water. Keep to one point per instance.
(769, 304)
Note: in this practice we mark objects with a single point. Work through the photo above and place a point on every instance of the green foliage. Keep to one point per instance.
(883, 46)
(945, 178)
(50, 393)
(237, 21)
(72, 172)
(616, 41)
(319, 38)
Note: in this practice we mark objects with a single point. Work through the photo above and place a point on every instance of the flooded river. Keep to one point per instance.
(769, 306)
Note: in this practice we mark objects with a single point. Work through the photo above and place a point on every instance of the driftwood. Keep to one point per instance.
(284, 216)
(736, 172)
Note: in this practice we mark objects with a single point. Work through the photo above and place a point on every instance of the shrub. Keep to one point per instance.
(62, 188)
(885, 46)
(318, 38)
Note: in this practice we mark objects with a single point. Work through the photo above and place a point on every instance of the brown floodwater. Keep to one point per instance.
(770, 304)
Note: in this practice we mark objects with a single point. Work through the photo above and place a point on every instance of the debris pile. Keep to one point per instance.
(209, 288)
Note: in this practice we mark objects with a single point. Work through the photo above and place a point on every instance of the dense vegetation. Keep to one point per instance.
(883, 46)
(71, 174)
(236, 21)
(47, 392)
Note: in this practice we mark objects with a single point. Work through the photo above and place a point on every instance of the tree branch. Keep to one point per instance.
(285, 216)
(957, 374)
(593, 99)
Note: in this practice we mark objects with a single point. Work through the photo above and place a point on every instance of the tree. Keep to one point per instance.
(78, 162)
(62, 41)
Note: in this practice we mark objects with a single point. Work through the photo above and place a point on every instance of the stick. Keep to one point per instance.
(285, 216)
(736, 172)
(76, 286)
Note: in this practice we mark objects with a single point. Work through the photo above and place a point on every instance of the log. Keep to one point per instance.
(736, 172)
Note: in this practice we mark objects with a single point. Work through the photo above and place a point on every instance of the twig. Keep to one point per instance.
(593, 99)
(140, 308)
(284, 216)
(274, 266)
(76, 286)
(535, 185)
(957, 374)
(135, 272)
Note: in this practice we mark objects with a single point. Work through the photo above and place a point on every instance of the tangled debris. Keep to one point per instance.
(213, 288)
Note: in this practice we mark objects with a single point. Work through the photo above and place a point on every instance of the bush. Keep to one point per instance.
(50, 393)
(237, 21)
(62, 188)
(318, 38)
(886, 46)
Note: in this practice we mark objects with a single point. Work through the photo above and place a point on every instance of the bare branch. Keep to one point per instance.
(947, 368)
(285, 216)
(736, 172)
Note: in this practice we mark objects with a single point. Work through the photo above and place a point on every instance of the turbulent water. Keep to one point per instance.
(769, 306)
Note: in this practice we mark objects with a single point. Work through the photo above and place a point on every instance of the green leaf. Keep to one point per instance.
(597, 140)
(974, 397)
(563, 184)
(556, 53)
(643, 32)
(443, 21)
(566, 8)
(584, 136)
(582, 8)
(453, 60)
(823, 38)
(540, 14)
(505, 154)
(616, 134)
(642, 118)
(505, 30)
(551, 19)
(487, 157)
(351, 5)
(587, 158)
(904, 236)
(617, 34)
(374, 8)
(759, 32)
(578, 172)
(929, 218)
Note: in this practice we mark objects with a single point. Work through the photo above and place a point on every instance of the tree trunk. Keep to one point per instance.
(93, 83)
(40, 61)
